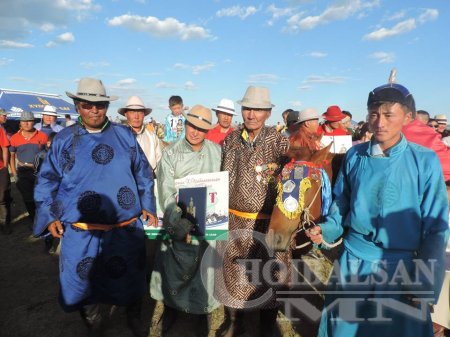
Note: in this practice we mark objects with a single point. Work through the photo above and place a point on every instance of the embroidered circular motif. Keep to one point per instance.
(66, 160)
(56, 209)
(116, 267)
(126, 198)
(102, 154)
(84, 267)
(89, 202)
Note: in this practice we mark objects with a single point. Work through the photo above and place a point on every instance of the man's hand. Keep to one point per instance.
(152, 219)
(56, 229)
(315, 234)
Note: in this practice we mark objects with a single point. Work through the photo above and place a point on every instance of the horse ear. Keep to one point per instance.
(321, 155)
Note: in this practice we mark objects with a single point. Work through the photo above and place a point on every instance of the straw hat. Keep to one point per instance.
(26, 116)
(226, 105)
(134, 103)
(200, 117)
(256, 97)
(91, 90)
(334, 114)
(441, 119)
(307, 115)
(49, 110)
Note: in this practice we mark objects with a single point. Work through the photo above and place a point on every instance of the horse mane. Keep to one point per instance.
(304, 138)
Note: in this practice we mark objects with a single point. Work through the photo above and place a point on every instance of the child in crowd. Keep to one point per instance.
(172, 120)
(38, 160)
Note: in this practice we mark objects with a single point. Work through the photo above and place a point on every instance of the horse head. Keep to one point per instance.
(299, 199)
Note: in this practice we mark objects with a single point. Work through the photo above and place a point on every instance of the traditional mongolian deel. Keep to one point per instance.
(90, 179)
(395, 218)
(177, 279)
(253, 167)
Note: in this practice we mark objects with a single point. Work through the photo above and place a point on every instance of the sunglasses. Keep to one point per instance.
(434, 125)
(90, 105)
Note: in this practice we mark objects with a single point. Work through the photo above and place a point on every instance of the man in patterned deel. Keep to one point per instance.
(93, 189)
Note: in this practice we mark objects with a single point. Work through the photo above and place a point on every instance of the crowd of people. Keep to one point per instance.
(91, 185)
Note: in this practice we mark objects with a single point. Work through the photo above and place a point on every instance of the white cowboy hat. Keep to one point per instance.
(49, 110)
(200, 117)
(91, 90)
(134, 103)
(256, 97)
(226, 105)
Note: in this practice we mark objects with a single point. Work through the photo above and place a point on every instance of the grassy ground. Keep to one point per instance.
(29, 289)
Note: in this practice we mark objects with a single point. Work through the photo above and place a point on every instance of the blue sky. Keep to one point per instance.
(308, 53)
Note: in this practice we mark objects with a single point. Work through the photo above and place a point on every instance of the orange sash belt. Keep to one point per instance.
(246, 215)
(100, 227)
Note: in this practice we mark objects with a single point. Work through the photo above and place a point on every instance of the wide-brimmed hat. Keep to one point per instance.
(256, 97)
(3, 112)
(227, 106)
(91, 90)
(307, 115)
(333, 114)
(392, 92)
(441, 119)
(134, 103)
(200, 117)
(26, 116)
(49, 110)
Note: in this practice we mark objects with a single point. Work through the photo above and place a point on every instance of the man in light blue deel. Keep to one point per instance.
(392, 207)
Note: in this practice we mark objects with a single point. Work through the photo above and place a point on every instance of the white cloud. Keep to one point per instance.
(399, 28)
(304, 87)
(202, 67)
(19, 18)
(126, 82)
(196, 69)
(5, 61)
(77, 5)
(90, 65)
(278, 13)
(20, 79)
(47, 27)
(63, 38)
(396, 16)
(295, 104)
(7, 44)
(317, 54)
(335, 12)
(189, 85)
(241, 12)
(167, 28)
(165, 85)
(428, 15)
(263, 78)
(317, 79)
(383, 57)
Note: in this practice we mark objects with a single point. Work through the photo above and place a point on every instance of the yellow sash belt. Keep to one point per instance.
(100, 227)
(246, 215)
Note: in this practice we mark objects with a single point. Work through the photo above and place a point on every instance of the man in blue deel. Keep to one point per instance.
(391, 202)
(92, 189)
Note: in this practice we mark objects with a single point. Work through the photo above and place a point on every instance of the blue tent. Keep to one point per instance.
(16, 101)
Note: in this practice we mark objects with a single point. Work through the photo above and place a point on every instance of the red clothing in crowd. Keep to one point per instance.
(4, 142)
(323, 130)
(420, 133)
(216, 136)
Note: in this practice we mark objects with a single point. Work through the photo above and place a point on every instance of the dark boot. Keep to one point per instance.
(168, 318)
(92, 318)
(233, 322)
(268, 322)
(134, 320)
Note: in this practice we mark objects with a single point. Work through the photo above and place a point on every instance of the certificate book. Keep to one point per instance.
(216, 218)
(192, 202)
